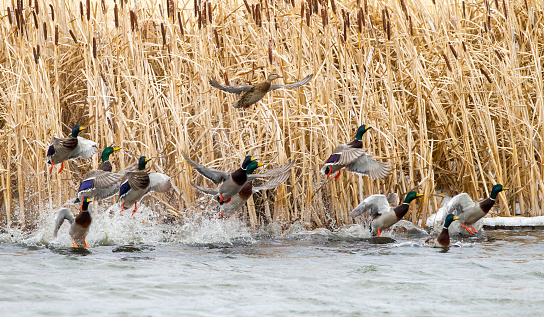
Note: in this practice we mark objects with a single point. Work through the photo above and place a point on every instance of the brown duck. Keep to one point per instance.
(79, 225)
(443, 239)
(253, 93)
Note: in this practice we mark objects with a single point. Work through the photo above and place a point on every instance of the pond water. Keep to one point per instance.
(211, 267)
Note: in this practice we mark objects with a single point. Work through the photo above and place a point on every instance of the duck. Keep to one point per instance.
(355, 158)
(101, 183)
(470, 212)
(383, 216)
(238, 200)
(79, 225)
(74, 146)
(232, 183)
(251, 94)
(443, 239)
(137, 184)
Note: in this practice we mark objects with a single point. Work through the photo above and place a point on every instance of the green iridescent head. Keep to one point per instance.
(76, 129)
(142, 162)
(496, 190)
(361, 130)
(107, 152)
(252, 166)
(449, 219)
(411, 196)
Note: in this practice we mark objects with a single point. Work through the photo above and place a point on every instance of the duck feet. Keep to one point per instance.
(220, 215)
(473, 229)
(329, 173)
(469, 230)
(135, 208)
(379, 233)
(122, 207)
(61, 167)
(337, 175)
(86, 246)
(74, 244)
(51, 168)
(222, 201)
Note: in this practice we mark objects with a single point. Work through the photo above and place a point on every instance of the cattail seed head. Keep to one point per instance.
(45, 31)
(453, 50)
(73, 36)
(94, 48)
(180, 24)
(56, 35)
(116, 15)
(52, 12)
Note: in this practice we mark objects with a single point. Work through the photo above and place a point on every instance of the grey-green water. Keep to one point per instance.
(223, 269)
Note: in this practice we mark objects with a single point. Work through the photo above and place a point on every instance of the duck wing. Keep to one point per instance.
(272, 183)
(159, 182)
(368, 166)
(106, 184)
(273, 172)
(302, 82)
(230, 89)
(84, 149)
(459, 204)
(205, 190)
(343, 155)
(377, 204)
(63, 214)
(214, 175)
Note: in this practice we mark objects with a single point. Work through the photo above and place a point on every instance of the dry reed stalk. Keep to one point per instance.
(462, 131)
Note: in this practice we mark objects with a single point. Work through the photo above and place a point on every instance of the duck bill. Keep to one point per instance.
(147, 160)
(116, 148)
(368, 128)
(455, 218)
(505, 188)
(81, 128)
(260, 164)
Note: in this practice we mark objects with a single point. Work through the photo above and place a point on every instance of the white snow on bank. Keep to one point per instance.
(513, 221)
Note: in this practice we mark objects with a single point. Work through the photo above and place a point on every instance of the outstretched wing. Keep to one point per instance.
(159, 182)
(273, 172)
(344, 154)
(206, 190)
(214, 175)
(272, 183)
(377, 204)
(458, 204)
(85, 149)
(63, 214)
(368, 166)
(230, 89)
(302, 82)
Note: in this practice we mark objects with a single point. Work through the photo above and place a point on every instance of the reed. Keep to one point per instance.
(453, 89)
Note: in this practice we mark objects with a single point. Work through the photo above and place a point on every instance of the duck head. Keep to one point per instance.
(411, 196)
(361, 130)
(76, 129)
(496, 190)
(252, 166)
(272, 76)
(142, 162)
(246, 162)
(107, 152)
(85, 203)
(449, 219)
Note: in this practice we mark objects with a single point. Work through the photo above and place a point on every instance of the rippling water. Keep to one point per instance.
(211, 267)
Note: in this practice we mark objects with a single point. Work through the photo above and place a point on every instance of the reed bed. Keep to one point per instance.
(452, 88)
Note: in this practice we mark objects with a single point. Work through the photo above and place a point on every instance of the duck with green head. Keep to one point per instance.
(443, 239)
(382, 214)
(355, 159)
(101, 183)
(139, 183)
(251, 94)
(71, 147)
(470, 212)
(79, 226)
(227, 209)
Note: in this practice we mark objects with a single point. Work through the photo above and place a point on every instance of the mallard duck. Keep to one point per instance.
(355, 158)
(71, 147)
(253, 93)
(79, 226)
(383, 216)
(101, 183)
(443, 239)
(238, 200)
(470, 212)
(139, 183)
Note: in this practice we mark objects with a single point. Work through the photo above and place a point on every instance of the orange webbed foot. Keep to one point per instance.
(337, 175)
(379, 233)
(473, 229)
(122, 207)
(135, 208)
(220, 215)
(86, 246)
(74, 244)
(51, 168)
(468, 230)
(61, 167)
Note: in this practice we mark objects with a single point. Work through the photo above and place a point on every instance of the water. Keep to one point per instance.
(136, 267)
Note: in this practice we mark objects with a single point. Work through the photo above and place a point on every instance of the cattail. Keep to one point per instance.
(104, 10)
(324, 17)
(56, 35)
(360, 20)
(270, 52)
(293, 3)
(52, 12)
(504, 8)
(345, 30)
(226, 78)
(464, 46)
(35, 53)
(133, 20)
(384, 22)
(168, 13)
(388, 30)
(216, 35)
(452, 49)
(94, 47)
(247, 6)
(387, 14)
(36, 6)
(210, 12)
(499, 55)
(308, 16)
(88, 10)
(302, 7)
(35, 19)
(464, 11)
(316, 6)
(116, 15)
(196, 8)
(73, 36)
(333, 6)
(45, 31)
(486, 75)
(447, 62)
(411, 27)
(485, 27)
(403, 6)
(526, 6)
(204, 14)
(366, 7)
(81, 10)
(180, 24)
(163, 32)
(497, 4)
(9, 16)
(260, 15)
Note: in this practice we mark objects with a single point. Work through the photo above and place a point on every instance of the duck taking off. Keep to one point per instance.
(79, 225)
(470, 212)
(71, 147)
(139, 183)
(227, 209)
(355, 159)
(251, 94)
(443, 239)
(383, 216)
(101, 183)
